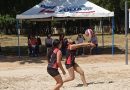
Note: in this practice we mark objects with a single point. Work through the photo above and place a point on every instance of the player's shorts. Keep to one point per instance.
(53, 72)
(69, 65)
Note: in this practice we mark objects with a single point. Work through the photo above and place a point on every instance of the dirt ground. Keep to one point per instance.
(103, 72)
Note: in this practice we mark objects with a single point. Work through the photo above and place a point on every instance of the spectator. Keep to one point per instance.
(61, 37)
(89, 33)
(29, 45)
(80, 39)
(38, 45)
(62, 41)
(94, 40)
(0, 49)
(48, 42)
(33, 42)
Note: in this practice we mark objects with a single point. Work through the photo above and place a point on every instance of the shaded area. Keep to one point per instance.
(81, 85)
(29, 60)
(13, 50)
(23, 60)
(105, 50)
(108, 50)
(10, 54)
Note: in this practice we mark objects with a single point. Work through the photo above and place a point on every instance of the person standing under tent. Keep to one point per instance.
(93, 39)
(0, 48)
(29, 45)
(33, 42)
(54, 62)
(89, 33)
(39, 43)
(48, 42)
(80, 39)
(63, 47)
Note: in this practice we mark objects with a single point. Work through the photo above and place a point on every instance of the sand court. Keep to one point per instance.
(107, 73)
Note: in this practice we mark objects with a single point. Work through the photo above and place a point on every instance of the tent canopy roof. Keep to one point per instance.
(65, 8)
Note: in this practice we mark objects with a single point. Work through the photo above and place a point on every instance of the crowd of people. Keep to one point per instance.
(34, 42)
(80, 39)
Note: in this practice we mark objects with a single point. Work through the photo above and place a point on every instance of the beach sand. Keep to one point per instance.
(103, 72)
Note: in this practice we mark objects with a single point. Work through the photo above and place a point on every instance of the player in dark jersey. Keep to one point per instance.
(70, 63)
(54, 62)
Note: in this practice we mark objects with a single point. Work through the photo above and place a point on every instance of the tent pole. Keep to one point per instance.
(113, 35)
(52, 18)
(126, 31)
(18, 32)
(101, 27)
(80, 26)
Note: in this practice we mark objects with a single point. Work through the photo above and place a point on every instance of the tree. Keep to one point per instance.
(118, 7)
(9, 9)
(13, 7)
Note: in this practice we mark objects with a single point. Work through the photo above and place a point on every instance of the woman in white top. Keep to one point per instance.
(80, 39)
(89, 33)
(48, 42)
(93, 39)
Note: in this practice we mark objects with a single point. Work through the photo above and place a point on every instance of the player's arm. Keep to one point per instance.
(59, 58)
(75, 46)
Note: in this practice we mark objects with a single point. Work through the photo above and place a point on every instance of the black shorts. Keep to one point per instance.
(69, 65)
(53, 72)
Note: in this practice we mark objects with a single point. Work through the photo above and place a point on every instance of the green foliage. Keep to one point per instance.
(107, 4)
(6, 23)
(9, 9)
(13, 7)
(118, 6)
(6, 19)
